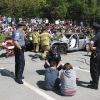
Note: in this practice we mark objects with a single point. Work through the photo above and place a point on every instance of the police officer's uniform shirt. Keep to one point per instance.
(53, 57)
(19, 37)
(96, 40)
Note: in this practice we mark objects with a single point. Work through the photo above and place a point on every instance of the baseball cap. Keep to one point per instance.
(96, 26)
(54, 49)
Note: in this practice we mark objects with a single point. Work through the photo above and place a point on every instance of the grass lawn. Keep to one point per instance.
(2, 37)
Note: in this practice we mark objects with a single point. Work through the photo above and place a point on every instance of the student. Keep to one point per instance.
(68, 80)
(51, 80)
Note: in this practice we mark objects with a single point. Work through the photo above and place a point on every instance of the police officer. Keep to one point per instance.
(53, 55)
(95, 57)
(19, 52)
(45, 38)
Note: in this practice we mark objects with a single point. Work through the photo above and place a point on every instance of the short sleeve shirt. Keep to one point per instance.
(96, 40)
(17, 35)
(53, 57)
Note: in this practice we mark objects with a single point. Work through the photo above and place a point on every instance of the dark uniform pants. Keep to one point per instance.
(19, 62)
(94, 68)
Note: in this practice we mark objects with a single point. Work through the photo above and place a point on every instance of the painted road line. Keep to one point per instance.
(38, 91)
(31, 87)
(34, 88)
(81, 69)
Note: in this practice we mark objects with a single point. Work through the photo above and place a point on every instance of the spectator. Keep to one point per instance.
(68, 80)
(0, 18)
(51, 80)
(9, 20)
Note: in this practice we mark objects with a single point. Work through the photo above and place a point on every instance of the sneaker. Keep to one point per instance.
(19, 81)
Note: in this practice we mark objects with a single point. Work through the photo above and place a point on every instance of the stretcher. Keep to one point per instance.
(9, 46)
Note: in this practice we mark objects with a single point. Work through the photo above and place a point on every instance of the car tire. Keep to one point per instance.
(62, 49)
(87, 47)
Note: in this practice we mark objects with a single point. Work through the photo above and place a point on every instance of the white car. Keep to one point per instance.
(71, 41)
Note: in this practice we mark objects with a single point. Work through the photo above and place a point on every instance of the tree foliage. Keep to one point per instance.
(81, 10)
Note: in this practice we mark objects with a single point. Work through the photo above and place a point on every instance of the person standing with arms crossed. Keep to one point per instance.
(19, 52)
(95, 57)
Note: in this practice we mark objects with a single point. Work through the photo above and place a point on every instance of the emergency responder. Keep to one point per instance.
(19, 52)
(53, 55)
(36, 40)
(95, 57)
(45, 39)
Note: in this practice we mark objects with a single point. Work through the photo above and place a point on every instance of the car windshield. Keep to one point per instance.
(58, 37)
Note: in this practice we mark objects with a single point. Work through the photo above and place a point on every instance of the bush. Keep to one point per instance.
(2, 38)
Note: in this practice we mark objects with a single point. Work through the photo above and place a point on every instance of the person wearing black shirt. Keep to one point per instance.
(53, 55)
(95, 57)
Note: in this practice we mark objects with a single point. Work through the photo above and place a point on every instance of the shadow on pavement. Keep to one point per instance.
(30, 55)
(41, 72)
(81, 83)
(40, 84)
(88, 55)
(5, 72)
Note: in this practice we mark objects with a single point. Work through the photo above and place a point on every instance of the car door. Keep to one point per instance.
(82, 41)
(73, 44)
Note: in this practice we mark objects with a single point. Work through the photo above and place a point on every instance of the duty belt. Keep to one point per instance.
(94, 53)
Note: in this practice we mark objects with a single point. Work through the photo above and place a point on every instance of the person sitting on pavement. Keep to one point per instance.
(51, 80)
(53, 55)
(68, 80)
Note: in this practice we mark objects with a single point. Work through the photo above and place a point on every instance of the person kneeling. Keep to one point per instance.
(53, 55)
(51, 80)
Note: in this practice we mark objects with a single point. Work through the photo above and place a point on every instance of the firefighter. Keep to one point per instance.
(45, 38)
(36, 40)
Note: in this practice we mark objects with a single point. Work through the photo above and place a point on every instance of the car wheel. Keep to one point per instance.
(62, 49)
(87, 47)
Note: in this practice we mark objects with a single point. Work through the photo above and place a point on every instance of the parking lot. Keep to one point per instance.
(33, 89)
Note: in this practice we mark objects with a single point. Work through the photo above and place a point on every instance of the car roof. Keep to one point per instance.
(72, 33)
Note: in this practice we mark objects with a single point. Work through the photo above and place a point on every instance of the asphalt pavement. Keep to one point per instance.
(33, 89)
